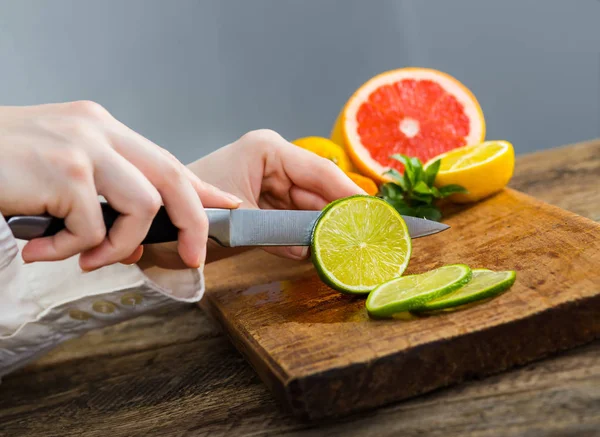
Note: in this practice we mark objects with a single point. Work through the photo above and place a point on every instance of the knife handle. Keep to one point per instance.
(161, 230)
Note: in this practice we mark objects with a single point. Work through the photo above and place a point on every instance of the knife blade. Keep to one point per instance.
(233, 228)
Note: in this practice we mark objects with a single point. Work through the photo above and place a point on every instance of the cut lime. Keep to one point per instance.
(484, 284)
(358, 243)
(409, 292)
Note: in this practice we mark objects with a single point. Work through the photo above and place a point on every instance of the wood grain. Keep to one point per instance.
(568, 177)
(323, 356)
(58, 395)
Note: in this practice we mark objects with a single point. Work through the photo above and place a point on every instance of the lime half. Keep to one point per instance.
(358, 243)
(409, 292)
(484, 284)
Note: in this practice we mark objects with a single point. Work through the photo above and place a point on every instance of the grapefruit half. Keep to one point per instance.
(418, 112)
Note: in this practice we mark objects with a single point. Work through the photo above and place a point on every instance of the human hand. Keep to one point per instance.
(267, 172)
(58, 158)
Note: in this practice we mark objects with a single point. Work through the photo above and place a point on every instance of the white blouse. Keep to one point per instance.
(43, 304)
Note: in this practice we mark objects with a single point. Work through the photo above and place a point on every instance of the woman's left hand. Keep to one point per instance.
(267, 172)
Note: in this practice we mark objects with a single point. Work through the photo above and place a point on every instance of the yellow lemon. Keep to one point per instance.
(326, 149)
(337, 136)
(483, 169)
(337, 132)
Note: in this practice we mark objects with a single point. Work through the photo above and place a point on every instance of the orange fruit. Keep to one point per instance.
(363, 182)
(325, 148)
(418, 112)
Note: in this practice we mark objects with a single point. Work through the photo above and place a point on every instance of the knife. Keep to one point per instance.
(228, 227)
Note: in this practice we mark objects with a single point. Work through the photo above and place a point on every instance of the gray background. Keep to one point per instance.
(194, 75)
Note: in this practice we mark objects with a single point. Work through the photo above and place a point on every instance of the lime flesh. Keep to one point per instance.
(409, 292)
(358, 243)
(483, 285)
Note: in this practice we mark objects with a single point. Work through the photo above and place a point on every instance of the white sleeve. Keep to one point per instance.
(44, 304)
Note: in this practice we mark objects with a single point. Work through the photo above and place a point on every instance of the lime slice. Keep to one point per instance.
(358, 243)
(484, 284)
(409, 292)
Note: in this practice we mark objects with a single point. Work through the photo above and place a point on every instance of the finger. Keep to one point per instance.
(164, 255)
(275, 200)
(211, 196)
(172, 180)
(184, 207)
(304, 199)
(182, 203)
(134, 257)
(316, 174)
(83, 217)
(128, 191)
(291, 252)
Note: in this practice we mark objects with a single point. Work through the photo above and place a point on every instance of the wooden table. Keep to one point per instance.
(176, 374)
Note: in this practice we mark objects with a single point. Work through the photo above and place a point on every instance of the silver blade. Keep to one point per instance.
(255, 227)
(250, 227)
(418, 227)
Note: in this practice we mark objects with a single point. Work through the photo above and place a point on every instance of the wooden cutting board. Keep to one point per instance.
(322, 355)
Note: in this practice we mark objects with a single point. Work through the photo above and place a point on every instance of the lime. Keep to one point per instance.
(484, 284)
(409, 292)
(360, 242)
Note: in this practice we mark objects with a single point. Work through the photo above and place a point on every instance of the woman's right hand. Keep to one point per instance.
(58, 158)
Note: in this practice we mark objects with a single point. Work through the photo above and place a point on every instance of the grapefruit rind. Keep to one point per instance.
(347, 126)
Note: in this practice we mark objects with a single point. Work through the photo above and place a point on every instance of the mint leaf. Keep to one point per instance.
(417, 169)
(422, 188)
(409, 176)
(428, 212)
(400, 179)
(425, 199)
(391, 191)
(397, 202)
(432, 171)
(412, 169)
(394, 174)
(403, 208)
(405, 160)
(413, 192)
(447, 190)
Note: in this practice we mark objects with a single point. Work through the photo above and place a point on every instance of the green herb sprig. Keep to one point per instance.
(413, 192)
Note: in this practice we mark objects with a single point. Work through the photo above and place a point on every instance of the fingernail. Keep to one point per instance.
(234, 198)
(300, 252)
(88, 269)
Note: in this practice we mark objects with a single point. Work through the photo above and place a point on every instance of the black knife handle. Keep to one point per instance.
(161, 230)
